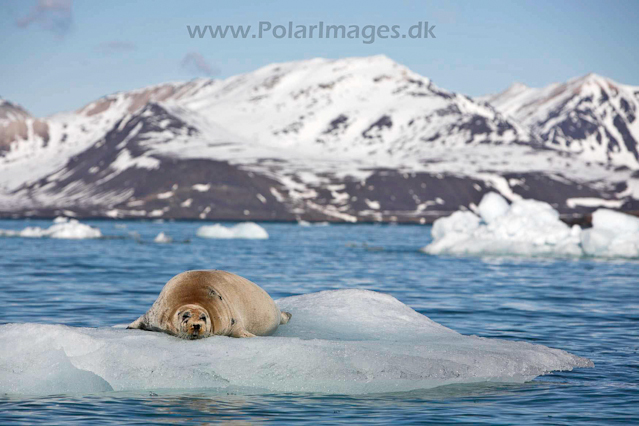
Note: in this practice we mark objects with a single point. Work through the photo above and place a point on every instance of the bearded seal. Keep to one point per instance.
(199, 304)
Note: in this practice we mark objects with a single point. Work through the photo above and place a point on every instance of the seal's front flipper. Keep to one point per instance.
(284, 317)
(240, 332)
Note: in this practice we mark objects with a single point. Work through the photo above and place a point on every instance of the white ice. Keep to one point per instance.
(163, 238)
(613, 234)
(530, 227)
(245, 230)
(341, 341)
(305, 223)
(62, 228)
(492, 206)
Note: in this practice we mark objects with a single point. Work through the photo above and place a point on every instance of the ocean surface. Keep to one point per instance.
(587, 307)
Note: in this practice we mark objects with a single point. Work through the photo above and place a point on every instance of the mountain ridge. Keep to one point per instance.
(356, 139)
(590, 115)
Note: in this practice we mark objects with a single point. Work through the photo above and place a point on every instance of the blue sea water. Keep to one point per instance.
(587, 307)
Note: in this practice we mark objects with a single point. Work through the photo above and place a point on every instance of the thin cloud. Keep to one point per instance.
(196, 64)
(52, 15)
(115, 46)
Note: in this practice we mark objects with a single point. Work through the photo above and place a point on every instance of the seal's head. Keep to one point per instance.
(192, 322)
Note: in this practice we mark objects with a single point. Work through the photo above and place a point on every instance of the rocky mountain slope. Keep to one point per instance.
(593, 116)
(357, 139)
(16, 124)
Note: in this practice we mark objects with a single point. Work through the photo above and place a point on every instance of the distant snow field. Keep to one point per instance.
(530, 227)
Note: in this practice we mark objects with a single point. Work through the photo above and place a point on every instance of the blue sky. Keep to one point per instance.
(58, 55)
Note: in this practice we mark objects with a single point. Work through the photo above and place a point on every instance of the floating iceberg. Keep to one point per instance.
(530, 227)
(341, 341)
(613, 234)
(162, 238)
(62, 228)
(246, 230)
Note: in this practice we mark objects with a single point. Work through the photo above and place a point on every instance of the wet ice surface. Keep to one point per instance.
(342, 341)
(585, 307)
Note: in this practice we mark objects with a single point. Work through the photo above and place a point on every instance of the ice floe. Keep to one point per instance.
(305, 223)
(340, 341)
(530, 227)
(613, 234)
(62, 228)
(245, 230)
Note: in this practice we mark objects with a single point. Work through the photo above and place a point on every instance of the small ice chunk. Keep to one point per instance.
(492, 206)
(245, 230)
(460, 222)
(306, 223)
(33, 232)
(615, 221)
(613, 234)
(73, 230)
(162, 238)
(61, 219)
(69, 229)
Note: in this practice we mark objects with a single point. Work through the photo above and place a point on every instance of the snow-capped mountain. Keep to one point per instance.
(593, 116)
(345, 140)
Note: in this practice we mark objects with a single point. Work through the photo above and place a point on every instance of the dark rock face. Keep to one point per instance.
(335, 125)
(230, 194)
(389, 195)
(554, 190)
(170, 187)
(384, 122)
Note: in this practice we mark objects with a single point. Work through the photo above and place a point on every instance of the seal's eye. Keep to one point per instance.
(186, 316)
(203, 317)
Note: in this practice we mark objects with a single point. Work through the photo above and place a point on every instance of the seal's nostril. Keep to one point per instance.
(196, 326)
